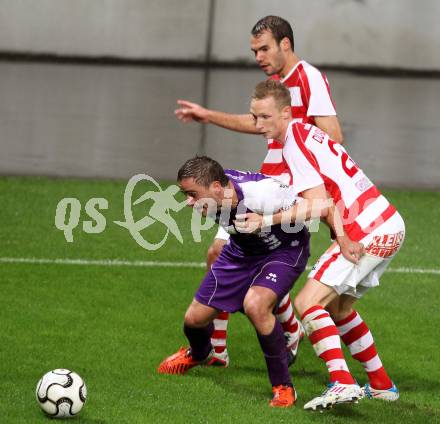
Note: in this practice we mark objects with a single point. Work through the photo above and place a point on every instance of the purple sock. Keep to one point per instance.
(275, 353)
(199, 340)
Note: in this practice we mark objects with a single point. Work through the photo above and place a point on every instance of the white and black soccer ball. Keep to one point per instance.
(61, 393)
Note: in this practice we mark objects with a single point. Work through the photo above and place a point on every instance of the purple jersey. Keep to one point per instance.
(273, 259)
(263, 195)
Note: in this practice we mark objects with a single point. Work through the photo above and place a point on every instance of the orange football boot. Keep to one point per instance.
(179, 363)
(283, 396)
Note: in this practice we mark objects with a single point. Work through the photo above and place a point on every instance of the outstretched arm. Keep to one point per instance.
(189, 111)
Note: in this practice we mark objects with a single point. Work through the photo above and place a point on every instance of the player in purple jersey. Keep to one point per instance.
(253, 272)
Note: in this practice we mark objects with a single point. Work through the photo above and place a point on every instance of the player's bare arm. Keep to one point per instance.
(189, 111)
(331, 126)
(315, 205)
(351, 250)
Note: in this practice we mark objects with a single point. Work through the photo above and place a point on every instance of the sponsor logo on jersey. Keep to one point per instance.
(385, 245)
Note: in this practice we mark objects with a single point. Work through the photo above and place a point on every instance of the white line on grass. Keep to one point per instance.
(164, 264)
(103, 262)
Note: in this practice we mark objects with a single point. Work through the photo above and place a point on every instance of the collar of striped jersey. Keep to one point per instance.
(289, 74)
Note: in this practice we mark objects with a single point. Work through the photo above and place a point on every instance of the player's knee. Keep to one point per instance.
(189, 319)
(333, 309)
(338, 314)
(313, 293)
(341, 307)
(255, 309)
(194, 319)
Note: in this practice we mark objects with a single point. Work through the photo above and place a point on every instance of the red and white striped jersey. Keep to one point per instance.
(314, 159)
(310, 93)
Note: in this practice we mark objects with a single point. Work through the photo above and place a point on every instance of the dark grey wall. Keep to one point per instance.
(101, 121)
(110, 121)
(392, 33)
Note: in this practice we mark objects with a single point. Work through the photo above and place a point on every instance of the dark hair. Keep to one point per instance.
(204, 170)
(276, 89)
(279, 28)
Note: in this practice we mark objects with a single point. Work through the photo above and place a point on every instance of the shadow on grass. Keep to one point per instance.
(240, 385)
(411, 383)
(77, 419)
(347, 411)
(238, 380)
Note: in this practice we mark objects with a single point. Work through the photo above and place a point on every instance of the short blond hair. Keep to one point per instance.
(275, 89)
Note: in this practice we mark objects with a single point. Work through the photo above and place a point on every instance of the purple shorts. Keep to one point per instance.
(226, 284)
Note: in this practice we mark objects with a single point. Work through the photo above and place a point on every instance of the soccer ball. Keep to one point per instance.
(61, 393)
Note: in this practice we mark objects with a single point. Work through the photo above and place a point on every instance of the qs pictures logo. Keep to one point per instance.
(68, 212)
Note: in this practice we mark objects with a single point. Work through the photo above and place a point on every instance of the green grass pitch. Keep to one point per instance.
(114, 324)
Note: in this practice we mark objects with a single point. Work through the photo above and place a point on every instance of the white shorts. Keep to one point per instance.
(222, 234)
(333, 270)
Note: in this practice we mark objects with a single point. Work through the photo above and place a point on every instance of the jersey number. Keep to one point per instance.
(349, 167)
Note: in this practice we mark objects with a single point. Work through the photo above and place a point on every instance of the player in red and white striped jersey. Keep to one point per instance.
(335, 282)
(273, 45)
(310, 102)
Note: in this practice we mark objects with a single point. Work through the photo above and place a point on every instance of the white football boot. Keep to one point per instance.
(389, 395)
(219, 359)
(336, 393)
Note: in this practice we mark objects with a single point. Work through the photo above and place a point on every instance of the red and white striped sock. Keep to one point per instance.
(286, 316)
(218, 338)
(357, 337)
(326, 342)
